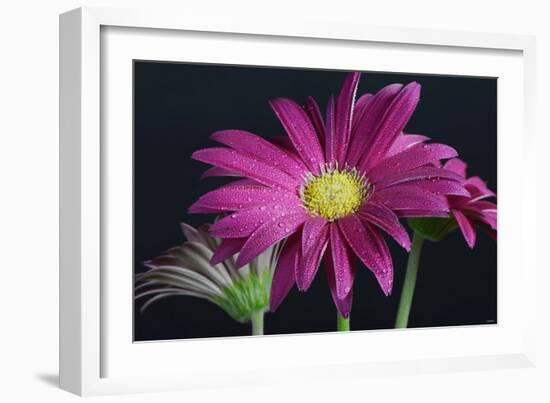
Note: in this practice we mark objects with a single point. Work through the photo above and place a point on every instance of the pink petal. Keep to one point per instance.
(466, 228)
(216, 171)
(314, 113)
(228, 247)
(244, 222)
(301, 132)
(413, 157)
(344, 115)
(371, 248)
(442, 186)
(343, 266)
(483, 211)
(457, 166)
(364, 130)
(385, 219)
(270, 233)
(422, 173)
(283, 278)
(284, 143)
(361, 107)
(409, 197)
(392, 124)
(238, 197)
(330, 131)
(245, 165)
(314, 243)
(478, 188)
(260, 148)
(404, 141)
(342, 305)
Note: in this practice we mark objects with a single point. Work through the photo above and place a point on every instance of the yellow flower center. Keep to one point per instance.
(334, 193)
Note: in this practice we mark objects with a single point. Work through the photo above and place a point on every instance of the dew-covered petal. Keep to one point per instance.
(269, 233)
(284, 143)
(442, 186)
(227, 248)
(483, 211)
(387, 220)
(457, 166)
(364, 130)
(392, 124)
(244, 222)
(344, 115)
(314, 243)
(245, 165)
(314, 113)
(284, 276)
(478, 188)
(465, 227)
(238, 197)
(344, 270)
(421, 173)
(361, 106)
(403, 198)
(342, 305)
(371, 249)
(410, 158)
(260, 148)
(404, 141)
(301, 132)
(330, 131)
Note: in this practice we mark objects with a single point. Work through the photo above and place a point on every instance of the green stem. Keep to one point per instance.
(342, 324)
(410, 281)
(257, 320)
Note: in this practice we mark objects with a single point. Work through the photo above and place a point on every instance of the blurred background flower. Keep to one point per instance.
(187, 270)
(467, 212)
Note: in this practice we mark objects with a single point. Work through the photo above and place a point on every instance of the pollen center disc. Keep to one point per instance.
(334, 194)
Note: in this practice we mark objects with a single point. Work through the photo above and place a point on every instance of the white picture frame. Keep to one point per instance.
(96, 354)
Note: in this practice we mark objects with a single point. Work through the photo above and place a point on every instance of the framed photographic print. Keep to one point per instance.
(256, 195)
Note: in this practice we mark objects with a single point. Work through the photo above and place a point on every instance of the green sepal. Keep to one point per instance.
(246, 296)
(433, 228)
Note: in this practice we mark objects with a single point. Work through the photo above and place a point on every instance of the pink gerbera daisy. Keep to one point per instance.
(330, 189)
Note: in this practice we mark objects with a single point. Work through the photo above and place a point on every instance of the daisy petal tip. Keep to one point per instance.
(196, 155)
(216, 259)
(195, 208)
(242, 260)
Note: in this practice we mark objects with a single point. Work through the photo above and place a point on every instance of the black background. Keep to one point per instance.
(176, 108)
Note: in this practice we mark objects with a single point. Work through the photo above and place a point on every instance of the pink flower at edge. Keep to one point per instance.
(330, 189)
(474, 210)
